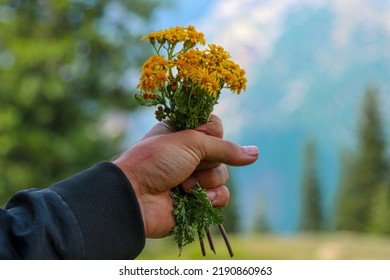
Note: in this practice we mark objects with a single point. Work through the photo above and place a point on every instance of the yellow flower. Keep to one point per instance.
(180, 63)
(160, 79)
(217, 53)
(146, 85)
(148, 72)
(154, 73)
(213, 86)
(188, 35)
(187, 62)
(200, 77)
(156, 62)
(194, 37)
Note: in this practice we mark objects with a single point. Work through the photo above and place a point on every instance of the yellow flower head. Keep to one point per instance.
(154, 74)
(211, 66)
(188, 35)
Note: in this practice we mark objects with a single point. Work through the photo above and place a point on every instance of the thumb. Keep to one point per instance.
(219, 150)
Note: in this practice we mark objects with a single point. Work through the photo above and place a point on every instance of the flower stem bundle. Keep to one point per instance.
(185, 83)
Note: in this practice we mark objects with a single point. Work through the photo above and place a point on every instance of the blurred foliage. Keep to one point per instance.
(65, 84)
(261, 223)
(365, 175)
(312, 218)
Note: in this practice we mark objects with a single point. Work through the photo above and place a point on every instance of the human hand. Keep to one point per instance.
(210, 175)
(164, 159)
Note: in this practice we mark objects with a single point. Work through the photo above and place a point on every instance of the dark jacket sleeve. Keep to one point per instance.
(92, 215)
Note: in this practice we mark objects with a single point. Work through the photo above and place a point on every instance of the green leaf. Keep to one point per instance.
(193, 213)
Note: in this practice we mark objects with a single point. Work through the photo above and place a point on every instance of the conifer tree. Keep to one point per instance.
(365, 170)
(312, 213)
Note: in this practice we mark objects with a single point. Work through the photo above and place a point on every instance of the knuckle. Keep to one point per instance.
(194, 141)
(225, 172)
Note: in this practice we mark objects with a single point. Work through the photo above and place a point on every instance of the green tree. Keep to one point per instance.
(312, 213)
(380, 210)
(365, 170)
(63, 67)
(347, 195)
(261, 223)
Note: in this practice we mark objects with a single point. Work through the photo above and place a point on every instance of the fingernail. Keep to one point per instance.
(251, 150)
(211, 195)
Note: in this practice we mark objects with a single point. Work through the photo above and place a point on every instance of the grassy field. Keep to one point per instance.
(347, 246)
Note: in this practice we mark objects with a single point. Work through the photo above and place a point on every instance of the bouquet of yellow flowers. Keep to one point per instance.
(185, 83)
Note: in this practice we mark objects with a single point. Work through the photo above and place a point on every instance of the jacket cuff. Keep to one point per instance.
(107, 210)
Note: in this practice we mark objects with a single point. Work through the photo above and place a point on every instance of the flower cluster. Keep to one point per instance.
(154, 76)
(174, 75)
(210, 70)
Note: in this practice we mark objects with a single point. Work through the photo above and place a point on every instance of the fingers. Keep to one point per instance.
(208, 179)
(211, 178)
(213, 128)
(213, 181)
(159, 129)
(218, 196)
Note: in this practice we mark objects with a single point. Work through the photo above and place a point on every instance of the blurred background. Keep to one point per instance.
(316, 105)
